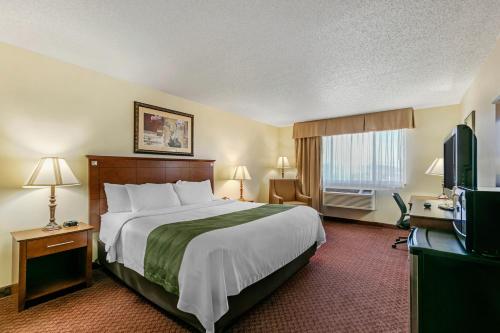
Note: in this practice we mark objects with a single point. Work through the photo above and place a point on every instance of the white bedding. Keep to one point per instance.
(219, 263)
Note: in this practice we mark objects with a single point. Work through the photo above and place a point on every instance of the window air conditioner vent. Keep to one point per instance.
(349, 198)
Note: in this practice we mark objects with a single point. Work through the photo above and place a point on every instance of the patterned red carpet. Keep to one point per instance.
(355, 283)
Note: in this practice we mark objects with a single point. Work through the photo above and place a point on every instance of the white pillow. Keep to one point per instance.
(117, 198)
(152, 196)
(194, 192)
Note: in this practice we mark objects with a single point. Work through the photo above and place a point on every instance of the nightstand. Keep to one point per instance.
(50, 261)
(242, 200)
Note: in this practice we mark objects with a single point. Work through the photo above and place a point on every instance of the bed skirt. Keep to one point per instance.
(238, 304)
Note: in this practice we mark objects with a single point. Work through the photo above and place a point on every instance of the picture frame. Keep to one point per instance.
(162, 131)
(470, 120)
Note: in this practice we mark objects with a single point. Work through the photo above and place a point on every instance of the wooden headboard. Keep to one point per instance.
(138, 170)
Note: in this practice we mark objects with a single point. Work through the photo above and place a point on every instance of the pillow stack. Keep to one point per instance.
(144, 197)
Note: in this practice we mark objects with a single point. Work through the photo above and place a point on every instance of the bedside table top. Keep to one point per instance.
(39, 233)
(244, 200)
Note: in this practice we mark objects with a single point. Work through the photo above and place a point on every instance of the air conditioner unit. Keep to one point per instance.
(349, 198)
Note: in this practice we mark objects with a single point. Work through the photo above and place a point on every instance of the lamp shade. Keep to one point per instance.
(52, 171)
(436, 168)
(283, 162)
(241, 173)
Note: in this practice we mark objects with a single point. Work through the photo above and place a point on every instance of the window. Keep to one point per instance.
(365, 160)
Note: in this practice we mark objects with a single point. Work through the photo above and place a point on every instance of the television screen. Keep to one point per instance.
(460, 159)
(449, 162)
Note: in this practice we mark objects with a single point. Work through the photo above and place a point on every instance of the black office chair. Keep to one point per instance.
(404, 219)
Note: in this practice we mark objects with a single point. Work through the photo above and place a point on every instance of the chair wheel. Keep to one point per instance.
(393, 246)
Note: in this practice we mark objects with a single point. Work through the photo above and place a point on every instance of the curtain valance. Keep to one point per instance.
(309, 129)
(377, 121)
(389, 120)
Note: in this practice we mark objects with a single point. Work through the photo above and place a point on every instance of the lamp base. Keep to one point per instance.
(241, 191)
(52, 209)
(51, 226)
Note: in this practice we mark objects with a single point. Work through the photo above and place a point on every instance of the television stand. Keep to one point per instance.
(451, 290)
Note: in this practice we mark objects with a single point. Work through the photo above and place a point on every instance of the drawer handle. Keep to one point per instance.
(60, 244)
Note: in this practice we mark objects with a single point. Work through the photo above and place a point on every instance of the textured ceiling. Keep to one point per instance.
(274, 61)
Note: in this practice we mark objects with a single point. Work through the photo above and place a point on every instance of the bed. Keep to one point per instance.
(233, 254)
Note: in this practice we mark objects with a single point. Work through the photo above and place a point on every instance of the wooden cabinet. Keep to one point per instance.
(451, 290)
(51, 261)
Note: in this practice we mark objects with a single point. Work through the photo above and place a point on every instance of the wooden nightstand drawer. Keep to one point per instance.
(54, 244)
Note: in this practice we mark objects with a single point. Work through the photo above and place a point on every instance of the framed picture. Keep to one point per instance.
(470, 120)
(162, 131)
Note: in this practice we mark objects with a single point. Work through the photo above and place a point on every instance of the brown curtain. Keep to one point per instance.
(377, 121)
(308, 160)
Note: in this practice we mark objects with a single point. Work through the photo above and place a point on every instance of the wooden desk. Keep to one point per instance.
(431, 218)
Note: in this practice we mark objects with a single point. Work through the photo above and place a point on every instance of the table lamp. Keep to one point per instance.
(241, 174)
(437, 169)
(283, 164)
(52, 171)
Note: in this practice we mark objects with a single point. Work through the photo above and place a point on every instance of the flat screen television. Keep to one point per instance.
(460, 158)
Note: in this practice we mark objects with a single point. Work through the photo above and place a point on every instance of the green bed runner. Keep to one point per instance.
(166, 244)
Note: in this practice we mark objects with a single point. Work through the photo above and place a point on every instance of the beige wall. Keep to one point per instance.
(424, 144)
(51, 108)
(479, 97)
